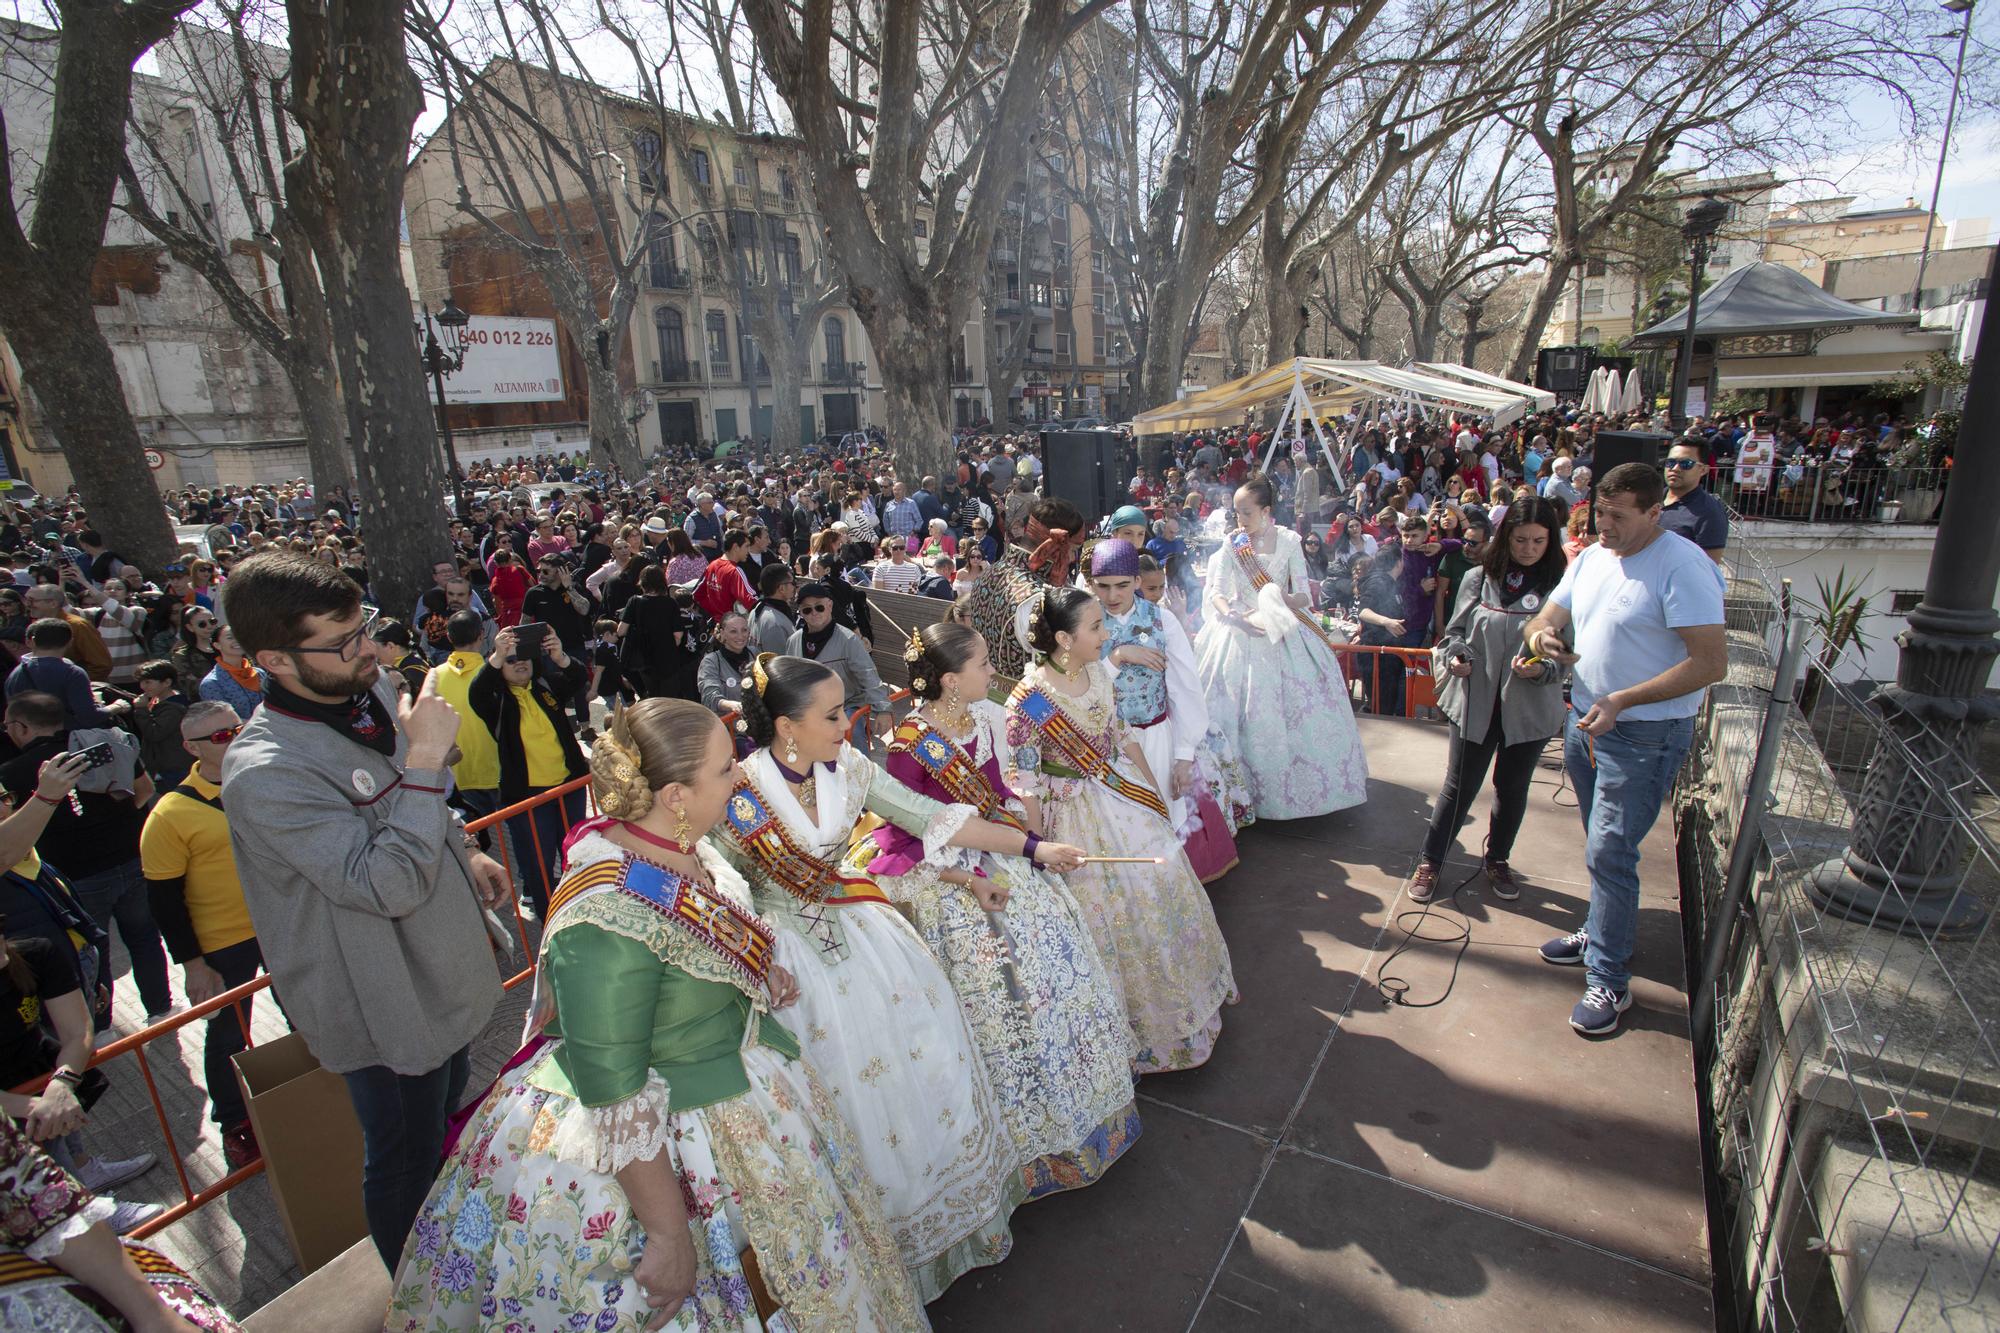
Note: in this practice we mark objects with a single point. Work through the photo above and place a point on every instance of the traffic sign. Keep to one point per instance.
(155, 459)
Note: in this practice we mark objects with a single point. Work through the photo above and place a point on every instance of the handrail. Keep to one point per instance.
(135, 1043)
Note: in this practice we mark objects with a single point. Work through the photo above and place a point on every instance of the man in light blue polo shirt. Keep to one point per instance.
(1645, 606)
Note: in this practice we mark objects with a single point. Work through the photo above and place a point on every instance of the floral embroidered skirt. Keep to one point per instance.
(1044, 1009)
(516, 1240)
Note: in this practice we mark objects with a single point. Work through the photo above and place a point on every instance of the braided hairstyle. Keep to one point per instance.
(935, 650)
(779, 687)
(648, 746)
(1061, 611)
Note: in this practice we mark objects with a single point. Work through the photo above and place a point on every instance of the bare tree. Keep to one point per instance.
(1610, 103)
(539, 155)
(356, 97)
(48, 255)
(239, 86)
(916, 108)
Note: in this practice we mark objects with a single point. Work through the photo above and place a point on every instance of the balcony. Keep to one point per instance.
(1005, 256)
(668, 277)
(843, 372)
(742, 196)
(677, 372)
(1038, 356)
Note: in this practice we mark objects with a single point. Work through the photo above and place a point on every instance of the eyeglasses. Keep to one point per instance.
(350, 644)
(223, 737)
(1677, 464)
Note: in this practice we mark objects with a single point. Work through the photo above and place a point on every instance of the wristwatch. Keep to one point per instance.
(65, 1075)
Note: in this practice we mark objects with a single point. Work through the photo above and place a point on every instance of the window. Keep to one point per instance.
(698, 168)
(1059, 254)
(746, 171)
(1097, 347)
(1062, 346)
(748, 355)
(673, 342)
(923, 228)
(1593, 302)
(1097, 299)
(1063, 296)
(1097, 261)
(1593, 268)
(786, 186)
(836, 342)
(1589, 336)
(662, 262)
(646, 148)
(717, 324)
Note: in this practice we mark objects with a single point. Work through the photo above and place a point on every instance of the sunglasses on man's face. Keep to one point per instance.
(1679, 464)
(223, 737)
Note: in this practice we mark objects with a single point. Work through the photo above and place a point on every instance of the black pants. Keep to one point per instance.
(1465, 770)
(235, 965)
(403, 1120)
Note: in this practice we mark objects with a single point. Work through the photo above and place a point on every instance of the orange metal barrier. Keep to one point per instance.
(1419, 690)
(137, 1042)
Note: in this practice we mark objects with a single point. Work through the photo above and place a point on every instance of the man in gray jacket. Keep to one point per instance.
(839, 647)
(364, 888)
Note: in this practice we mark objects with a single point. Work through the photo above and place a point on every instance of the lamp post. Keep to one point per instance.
(1906, 865)
(1698, 229)
(1944, 146)
(444, 354)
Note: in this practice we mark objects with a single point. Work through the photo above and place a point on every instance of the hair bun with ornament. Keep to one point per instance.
(617, 778)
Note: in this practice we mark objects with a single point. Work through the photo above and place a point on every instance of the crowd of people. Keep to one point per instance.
(825, 989)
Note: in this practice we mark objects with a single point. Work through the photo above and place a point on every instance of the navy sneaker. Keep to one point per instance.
(1596, 1014)
(1567, 951)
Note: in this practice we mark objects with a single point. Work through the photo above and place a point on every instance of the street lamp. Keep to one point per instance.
(444, 354)
(1699, 228)
(1905, 867)
(1944, 146)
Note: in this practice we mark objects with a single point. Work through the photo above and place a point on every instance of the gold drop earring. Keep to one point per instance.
(792, 751)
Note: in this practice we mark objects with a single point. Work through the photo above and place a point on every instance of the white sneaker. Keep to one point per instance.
(104, 1174)
(130, 1216)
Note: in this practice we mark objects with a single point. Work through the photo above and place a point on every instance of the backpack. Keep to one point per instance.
(123, 770)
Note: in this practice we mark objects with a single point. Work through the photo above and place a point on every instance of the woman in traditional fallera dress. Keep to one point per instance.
(1273, 682)
(877, 1015)
(663, 1125)
(1079, 772)
(1040, 1000)
(1160, 699)
(1221, 791)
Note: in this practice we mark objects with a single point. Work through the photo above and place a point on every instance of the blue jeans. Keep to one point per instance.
(1620, 796)
(538, 838)
(403, 1118)
(119, 895)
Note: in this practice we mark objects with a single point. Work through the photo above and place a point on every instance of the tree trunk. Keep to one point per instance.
(1468, 346)
(1284, 327)
(1172, 305)
(790, 365)
(68, 364)
(356, 98)
(612, 443)
(1547, 296)
(913, 344)
(309, 366)
(46, 268)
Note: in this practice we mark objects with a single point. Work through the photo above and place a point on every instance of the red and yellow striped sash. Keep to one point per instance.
(763, 837)
(1063, 736)
(739, 938)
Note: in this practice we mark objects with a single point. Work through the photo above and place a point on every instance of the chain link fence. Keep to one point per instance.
(1849, 1071)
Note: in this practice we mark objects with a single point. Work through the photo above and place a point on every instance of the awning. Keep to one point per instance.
(1805, 372)
(1336, 387)
(1543, 399)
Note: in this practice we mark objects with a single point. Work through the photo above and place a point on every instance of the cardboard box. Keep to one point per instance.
(312, 1147)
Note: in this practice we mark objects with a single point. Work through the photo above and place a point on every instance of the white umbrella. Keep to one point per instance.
(1593, 392)
(1633, 400)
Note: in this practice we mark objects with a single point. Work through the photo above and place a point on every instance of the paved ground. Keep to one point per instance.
(1341, 1163)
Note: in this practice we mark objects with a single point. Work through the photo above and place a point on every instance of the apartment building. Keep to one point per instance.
(1813, 233)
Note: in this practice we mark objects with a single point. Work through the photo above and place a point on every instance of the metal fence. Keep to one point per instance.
(1849, 1072)
(1829, 492)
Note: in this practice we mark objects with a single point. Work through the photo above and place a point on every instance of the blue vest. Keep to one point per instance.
(1141, 691)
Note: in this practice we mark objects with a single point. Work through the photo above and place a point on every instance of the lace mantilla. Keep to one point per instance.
(50, 1243)
(620, 914)
(943, 828)
(609, 1138)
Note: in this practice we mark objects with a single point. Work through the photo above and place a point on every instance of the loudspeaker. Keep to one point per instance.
(1562, 369)
(1092, 469)
(1613, 447)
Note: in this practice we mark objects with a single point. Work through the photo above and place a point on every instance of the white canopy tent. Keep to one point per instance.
(1312, 388)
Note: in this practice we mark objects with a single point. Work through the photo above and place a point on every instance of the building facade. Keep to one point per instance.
(194, 381)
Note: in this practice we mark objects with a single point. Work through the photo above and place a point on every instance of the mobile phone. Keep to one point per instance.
(98, 755)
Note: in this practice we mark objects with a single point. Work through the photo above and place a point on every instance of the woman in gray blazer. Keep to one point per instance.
(1503, 705)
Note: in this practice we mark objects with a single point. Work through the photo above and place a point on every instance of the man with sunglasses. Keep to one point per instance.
(1691, 508)
(364, 886)
(197, 899)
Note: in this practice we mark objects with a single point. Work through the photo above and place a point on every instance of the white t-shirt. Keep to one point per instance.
(1625, 611)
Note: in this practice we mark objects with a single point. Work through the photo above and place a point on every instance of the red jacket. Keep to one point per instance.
(723, 588)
